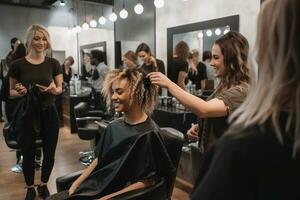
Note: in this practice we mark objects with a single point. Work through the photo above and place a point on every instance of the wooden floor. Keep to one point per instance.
(12, 184)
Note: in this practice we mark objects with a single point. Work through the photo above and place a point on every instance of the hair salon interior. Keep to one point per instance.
(108, 59)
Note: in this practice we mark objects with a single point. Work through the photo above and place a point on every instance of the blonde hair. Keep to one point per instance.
(278, 85)
(193, 53)
(142, 91)
(30, 35)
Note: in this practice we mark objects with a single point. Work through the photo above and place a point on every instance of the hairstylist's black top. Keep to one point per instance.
(43, 74)
(177, 66)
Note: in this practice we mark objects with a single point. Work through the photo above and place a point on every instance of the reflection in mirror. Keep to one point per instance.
(202, 40)
(199, 37)
(85, 51)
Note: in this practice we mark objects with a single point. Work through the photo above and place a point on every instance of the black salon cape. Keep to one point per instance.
(25, 125)
(126, 154)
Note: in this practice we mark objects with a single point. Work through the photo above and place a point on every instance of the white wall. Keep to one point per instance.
(63, 39)
(179, 12)
(14, 20)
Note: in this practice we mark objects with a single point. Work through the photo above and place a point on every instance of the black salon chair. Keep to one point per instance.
(197, 159)
(162, 190)
(87, 129)
(12, 143)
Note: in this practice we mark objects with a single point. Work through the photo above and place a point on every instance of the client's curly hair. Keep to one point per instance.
(142, 91)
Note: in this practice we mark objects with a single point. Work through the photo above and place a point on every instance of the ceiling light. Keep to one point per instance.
(102, 20)
(113, 17)
(200, 34)
(85, 26)
(93, 23)
(209, 33)
(218, 31)
(123, 13)
(62, 3)
(138, 8)
(159, 3)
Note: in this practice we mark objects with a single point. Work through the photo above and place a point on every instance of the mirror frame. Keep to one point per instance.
(91, 46)
(233, 21)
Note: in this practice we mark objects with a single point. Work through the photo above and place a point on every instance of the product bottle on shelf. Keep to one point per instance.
(72, 86)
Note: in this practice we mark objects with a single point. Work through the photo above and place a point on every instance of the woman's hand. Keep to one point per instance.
(50, 89)
(153, 61)
(159, 79)
(193, 133)
(20, 89)
(73, 187)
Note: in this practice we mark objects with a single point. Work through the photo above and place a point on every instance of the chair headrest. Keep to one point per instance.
(81, 109)
(173, 140)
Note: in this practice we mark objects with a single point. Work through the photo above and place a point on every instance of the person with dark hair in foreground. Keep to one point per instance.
(259, 156)
(126, 157)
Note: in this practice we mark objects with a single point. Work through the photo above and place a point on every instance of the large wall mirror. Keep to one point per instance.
(201, 35)
(88, 48)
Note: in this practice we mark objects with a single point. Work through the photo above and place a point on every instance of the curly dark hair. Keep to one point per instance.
(142, 91)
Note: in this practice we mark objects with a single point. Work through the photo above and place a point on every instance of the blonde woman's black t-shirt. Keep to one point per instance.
(43, 74)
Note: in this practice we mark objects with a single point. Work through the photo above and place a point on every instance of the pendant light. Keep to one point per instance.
(138, 8)
(93, 22)
(85, 25)
(102, 19)
(123, 13)
(113, 16)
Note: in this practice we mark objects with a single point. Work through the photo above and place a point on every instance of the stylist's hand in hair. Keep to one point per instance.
(159, 79)
(20, 89)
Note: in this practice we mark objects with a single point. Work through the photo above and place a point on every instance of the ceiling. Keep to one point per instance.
(46, 4)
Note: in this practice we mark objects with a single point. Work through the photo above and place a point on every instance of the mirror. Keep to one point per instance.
(88, 48)
(201, 35)
(95, 46)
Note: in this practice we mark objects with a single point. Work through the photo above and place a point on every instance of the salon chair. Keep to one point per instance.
(87, 129)
(162, 190)
(197, 159)
(12, 144)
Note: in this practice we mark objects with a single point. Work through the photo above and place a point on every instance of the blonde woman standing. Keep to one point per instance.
(45, 74)
(259, 157)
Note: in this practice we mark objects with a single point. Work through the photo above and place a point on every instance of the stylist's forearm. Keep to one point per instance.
(191, 102)
(57, 91)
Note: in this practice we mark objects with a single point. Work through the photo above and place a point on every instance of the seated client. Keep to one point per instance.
(126, 158)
